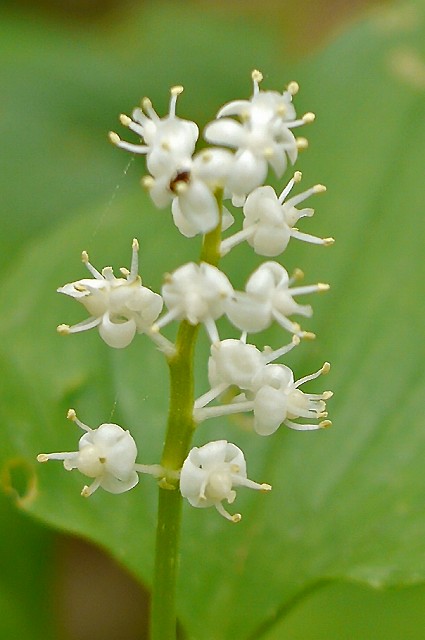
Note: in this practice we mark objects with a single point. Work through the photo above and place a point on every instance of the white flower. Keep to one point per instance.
(278, 400)
(119, 307)
(195, 209)
(169, 141)
(268, 296)
(235, 363)
(263, 136)
(107, 454)
(269, 220)
(209, 474)
(197, 293)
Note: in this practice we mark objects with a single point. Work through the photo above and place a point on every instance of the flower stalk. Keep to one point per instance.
(180, 428)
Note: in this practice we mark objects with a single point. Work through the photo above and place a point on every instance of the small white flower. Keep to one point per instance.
(268, 296)
(197, 293)
(209, 474)
(119, 307)
(269, 220)
(262, 137)
(235, 363)
(107, 454)
(169, 141)
(278, 400)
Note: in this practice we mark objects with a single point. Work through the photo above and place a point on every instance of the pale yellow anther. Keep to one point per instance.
(302, 143)
(327, 394)
(281, 110)
(147, 182)
(296, 340)
(85, 492)
(236, 517)
(298, 274)
(319, 188)
(181, 187)
(268, 153)
(146, 104)
(135, 244)
(297, 176)
(42, 457)
(154, 328)
(114, 137)
(325, 424)
(293, 88)
(124, 271)
(322, 286)
(265, 487)
(80, 288)
(165, 145)
(308, 335)
(326, 368)
(177, 90)
(257, 76)
(125, 120)
(328, 241)
(71, 415)
(309, 117)
(63, 329)
(84, 257)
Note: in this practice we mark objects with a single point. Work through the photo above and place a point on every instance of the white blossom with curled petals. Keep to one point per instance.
(106, 454)
(119, 307)
(197, 293)
(235, 363)
(210, 473)
(195, 208)
(268, 296)
(168, 141)
(263, 136)
(269, 220)
(278, 400)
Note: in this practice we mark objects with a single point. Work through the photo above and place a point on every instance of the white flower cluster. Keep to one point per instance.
(259, 132)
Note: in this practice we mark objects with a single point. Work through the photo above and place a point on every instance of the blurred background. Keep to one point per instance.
(67, 70)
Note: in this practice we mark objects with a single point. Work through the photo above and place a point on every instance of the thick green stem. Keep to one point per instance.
(180, 429)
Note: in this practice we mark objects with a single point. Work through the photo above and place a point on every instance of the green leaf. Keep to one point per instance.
(347, 503)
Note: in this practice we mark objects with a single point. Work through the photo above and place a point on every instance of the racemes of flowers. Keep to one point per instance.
(251, 136)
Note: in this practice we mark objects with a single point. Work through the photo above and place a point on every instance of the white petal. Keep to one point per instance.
(117, 334)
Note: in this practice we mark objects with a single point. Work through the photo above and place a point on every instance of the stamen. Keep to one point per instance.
(222, 511)
(134, 268)
(175, 92)
(302, 143)
(257, 77)
(71, 415)
(293, 88)
(95, 273)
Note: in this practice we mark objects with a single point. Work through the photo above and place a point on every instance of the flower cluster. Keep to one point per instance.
(257, 133)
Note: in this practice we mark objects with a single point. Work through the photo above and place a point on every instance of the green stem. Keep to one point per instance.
(179, 434)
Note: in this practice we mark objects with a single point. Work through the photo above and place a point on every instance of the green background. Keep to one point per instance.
(347, 508)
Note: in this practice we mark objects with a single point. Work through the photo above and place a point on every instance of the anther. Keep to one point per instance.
(125, 120)
(114, 138)
(257, 76)
(325, 424)
(326, 368)
(302, 143)
(321, 286)
(328, 241)
(293, 88)
(147, 182)
(319, 188)
(297, 176)
(308, 117)
(177, 90)
(71, 415)
(63, 329)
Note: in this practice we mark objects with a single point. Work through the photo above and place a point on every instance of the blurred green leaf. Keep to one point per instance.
(346, 503)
